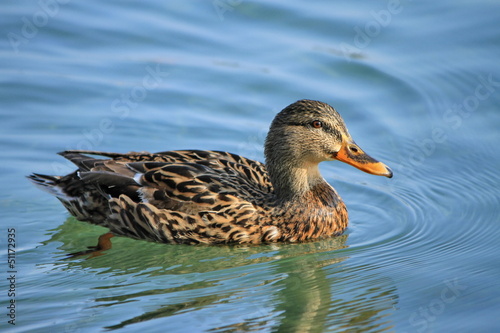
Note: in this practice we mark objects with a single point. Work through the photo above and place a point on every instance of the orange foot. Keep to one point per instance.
(103, 244)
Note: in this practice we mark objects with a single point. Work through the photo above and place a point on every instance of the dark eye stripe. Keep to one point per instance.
(325, 128)
(308, 124)
(297, 124)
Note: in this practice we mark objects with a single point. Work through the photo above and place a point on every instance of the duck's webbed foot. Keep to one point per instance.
(103, 244)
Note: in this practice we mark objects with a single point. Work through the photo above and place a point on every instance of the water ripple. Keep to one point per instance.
(428, 216)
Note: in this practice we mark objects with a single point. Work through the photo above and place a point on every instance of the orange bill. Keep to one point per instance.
(350, 153)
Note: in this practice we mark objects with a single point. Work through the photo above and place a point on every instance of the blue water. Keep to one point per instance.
(417, 82)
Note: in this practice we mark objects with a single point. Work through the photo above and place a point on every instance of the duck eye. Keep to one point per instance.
(317, 124)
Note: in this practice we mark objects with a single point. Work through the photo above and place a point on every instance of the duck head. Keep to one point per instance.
(308, 132)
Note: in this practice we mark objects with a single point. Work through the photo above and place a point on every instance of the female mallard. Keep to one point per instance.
(211, 197)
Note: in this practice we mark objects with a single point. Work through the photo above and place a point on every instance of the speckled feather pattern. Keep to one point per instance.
(190, 197)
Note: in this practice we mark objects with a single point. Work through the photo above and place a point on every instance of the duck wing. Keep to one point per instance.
(186, 176)
(178, 196)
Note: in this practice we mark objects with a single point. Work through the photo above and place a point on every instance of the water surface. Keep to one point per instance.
(417, 82)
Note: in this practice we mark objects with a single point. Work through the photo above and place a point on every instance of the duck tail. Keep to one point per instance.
(49, 184)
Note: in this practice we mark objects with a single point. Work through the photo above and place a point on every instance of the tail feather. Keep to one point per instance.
(83, 162)
(49, 184)
(92, 152)
(86, 192)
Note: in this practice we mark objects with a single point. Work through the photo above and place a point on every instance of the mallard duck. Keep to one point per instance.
(213, 197)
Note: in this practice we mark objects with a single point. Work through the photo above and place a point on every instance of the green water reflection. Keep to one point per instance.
(307, 287)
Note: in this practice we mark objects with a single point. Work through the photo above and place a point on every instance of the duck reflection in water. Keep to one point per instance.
(307, 287)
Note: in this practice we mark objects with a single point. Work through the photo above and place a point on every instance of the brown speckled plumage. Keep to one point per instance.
(211, 197)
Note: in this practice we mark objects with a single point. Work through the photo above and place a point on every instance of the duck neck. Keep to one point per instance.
(301, 183)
